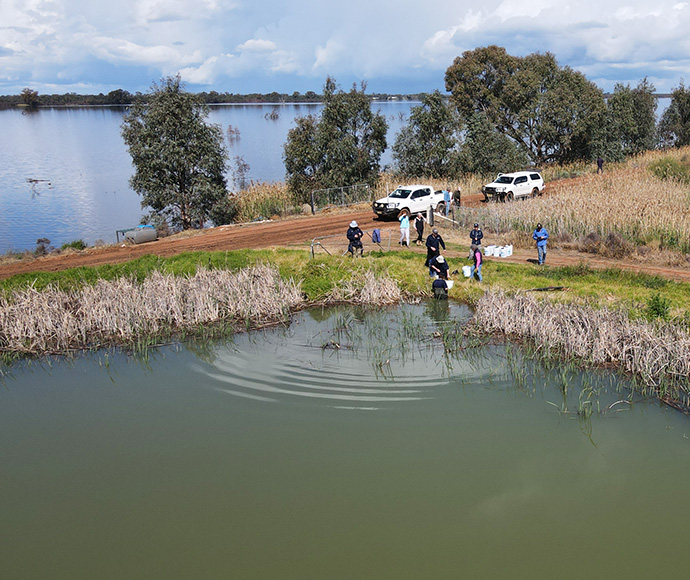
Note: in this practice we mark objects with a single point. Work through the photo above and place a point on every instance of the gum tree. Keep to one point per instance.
(341, 146)
(429, 145)
(179, 159)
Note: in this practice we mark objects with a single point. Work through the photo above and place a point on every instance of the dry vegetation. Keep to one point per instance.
(625, 211)
(655, 352)
(123, 312)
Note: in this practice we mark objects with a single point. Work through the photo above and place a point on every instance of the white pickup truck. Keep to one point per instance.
(509, 186)
(413, 198)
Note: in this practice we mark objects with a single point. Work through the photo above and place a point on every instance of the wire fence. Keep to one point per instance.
(337, 245)
(340, 196)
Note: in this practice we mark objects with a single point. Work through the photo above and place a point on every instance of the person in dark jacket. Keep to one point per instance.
(440, 289)
(439, 267)
(419, 226)
(434, 243)
(476, 235)
(354, 235)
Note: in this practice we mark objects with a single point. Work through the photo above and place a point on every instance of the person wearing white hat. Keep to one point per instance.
(354, 235)
(439, 267)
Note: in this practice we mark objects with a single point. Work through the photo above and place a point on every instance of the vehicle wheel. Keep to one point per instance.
(441, 207)
(535, 192)
(509, 196)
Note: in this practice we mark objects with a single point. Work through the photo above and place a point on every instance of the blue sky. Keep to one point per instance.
(243, 46)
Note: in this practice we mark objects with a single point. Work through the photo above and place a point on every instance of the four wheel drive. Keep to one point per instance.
(413, 198)
(508, 186)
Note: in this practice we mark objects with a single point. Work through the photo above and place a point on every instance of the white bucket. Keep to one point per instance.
(489, 251)
(466, 271)
(497, 251)
(504, 253)
(509, 250)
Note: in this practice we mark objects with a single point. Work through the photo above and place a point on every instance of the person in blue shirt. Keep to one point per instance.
(446, 200)
(404, 219)
(540, 235)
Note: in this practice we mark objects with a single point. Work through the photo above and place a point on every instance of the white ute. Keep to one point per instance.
(413, 198)
(508, 186)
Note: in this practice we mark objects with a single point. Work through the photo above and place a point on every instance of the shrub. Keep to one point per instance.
(668, 168)
(658, 307)
(75, 245)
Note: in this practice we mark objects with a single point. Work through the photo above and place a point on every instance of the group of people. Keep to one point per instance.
(435, 261)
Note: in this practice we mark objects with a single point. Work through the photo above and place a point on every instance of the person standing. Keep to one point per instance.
(478, 259)
(541, 236)
(404, 219)
(419, 226)
(434, 243)
(476, 235)
(600, 165)
(446, 200)
(440, 289)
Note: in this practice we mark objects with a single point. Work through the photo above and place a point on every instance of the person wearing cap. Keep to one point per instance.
(477, 266)
(354, 235)
(434, 243)
(476, 236)
(540, 235)
(439, 267)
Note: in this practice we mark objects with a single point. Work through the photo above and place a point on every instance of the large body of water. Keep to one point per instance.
(83, 167)
(273, 457)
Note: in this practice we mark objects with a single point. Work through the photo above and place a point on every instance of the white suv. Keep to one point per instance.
(508, 186)
(413, 198)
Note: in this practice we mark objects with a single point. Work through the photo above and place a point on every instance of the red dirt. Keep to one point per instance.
(298, 232)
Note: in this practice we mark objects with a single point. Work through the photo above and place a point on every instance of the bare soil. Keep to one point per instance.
(299, 232)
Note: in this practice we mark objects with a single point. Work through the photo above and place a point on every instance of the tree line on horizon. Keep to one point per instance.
(504, 113)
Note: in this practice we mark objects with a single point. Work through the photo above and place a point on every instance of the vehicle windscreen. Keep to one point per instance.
(504, 179)
(401, 193)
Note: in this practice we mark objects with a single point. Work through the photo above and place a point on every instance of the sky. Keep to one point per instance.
(245, 46)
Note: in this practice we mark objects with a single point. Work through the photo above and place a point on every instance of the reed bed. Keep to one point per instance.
(366, 287)
(265, 200)
(124, 312)
(627, 201)
(657, 353)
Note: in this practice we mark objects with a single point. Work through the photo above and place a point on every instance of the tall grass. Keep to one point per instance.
(264, 201)
(655, 352)
(627, 200)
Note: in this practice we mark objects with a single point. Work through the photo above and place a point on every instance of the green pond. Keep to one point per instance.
(345, 445)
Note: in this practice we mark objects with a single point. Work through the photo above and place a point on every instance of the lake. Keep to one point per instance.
(275, 456)
(65, 172)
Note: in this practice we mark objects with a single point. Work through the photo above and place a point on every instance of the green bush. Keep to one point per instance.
(75, 245)
(668, 168)
(658, 307)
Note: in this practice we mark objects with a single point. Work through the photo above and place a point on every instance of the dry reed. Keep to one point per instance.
(627, 200)
(366, 288)
(125, 312)
(264, 201)
(656, 353)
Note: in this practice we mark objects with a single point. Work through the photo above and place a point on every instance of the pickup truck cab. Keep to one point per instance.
(508, 186)
(413, 198)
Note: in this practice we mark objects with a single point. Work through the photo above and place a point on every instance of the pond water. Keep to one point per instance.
(65, 172)
(279, 455)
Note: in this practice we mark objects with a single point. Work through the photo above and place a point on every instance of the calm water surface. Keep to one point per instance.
(272, 457)
(80, 166)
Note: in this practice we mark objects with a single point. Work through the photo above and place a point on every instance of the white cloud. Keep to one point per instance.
(235, 44)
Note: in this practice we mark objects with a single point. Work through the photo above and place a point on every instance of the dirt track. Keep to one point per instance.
(293, 232)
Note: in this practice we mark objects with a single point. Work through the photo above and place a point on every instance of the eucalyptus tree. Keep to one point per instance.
(340, 146)
(429, 145)
(179, 159)
(551, 112)
(674, 126)
(631, 119)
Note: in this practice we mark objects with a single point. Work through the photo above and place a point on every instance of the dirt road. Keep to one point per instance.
(294, 232)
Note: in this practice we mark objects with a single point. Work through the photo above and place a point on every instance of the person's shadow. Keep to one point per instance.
(533, 260)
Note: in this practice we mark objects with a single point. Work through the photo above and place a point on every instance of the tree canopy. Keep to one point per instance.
(429, 145)
(551, 112)
(179, 159)
(341, 146)
(674, 127)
